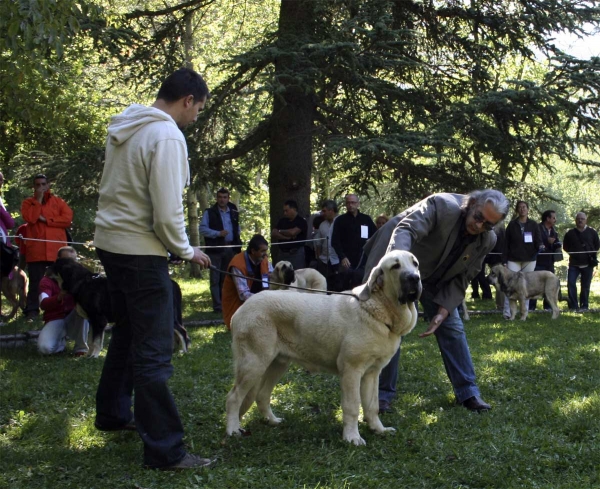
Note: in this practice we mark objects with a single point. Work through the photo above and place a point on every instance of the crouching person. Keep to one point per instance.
(252, 270)
(61, 321)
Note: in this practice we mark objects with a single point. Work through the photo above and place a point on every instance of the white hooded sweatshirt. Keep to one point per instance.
(140, 209)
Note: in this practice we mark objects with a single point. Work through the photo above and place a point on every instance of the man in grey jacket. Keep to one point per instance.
(450, 235)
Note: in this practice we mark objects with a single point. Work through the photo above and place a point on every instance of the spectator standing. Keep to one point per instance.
(450, 235)
(381, 220)
(251, 269)
(61, 320)
(220, 226)
(140, 216)
(291, 227)
(523, 242)
(47, 218)
(312, 226)
(495, 256)
(6, 220)
(583, 244)
(328, 260)
(551, 252)
(6, 223)
(350, 233)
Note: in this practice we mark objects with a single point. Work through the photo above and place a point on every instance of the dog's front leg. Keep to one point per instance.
(350, 383)
(513, 308)
(369, 394)
(524, 304)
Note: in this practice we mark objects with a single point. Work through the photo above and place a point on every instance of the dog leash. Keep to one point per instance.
(212, 267)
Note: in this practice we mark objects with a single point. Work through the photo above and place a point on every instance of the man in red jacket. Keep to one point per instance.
(47, 218)
(60, 317)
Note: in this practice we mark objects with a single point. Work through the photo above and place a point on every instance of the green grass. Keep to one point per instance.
(541, 376)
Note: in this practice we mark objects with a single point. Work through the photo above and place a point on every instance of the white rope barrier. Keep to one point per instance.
(90, 244)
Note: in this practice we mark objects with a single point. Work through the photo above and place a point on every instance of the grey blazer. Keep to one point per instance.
(428, 230)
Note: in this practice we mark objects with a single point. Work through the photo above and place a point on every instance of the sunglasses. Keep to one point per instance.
(487, 225)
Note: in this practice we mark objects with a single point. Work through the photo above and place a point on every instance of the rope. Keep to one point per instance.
(212, 267)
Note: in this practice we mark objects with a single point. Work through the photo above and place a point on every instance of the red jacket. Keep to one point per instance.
(58, 217)
(53, 307)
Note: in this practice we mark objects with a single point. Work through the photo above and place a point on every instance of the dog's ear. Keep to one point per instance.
(363, 292)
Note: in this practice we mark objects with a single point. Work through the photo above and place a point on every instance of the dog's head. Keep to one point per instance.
(69, 274)
(496, 275)
(397, 275)
(284, 273)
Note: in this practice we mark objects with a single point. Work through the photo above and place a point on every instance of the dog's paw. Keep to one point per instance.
(238, 432)
(388, 429)
(274, 421)
(356, 440)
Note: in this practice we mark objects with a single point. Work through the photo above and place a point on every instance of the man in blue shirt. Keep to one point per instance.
(221, 230)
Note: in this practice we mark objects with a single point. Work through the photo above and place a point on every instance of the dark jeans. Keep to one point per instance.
(328, 271)
(452, 342)
(36, 270)
(480, 280)
(139, 355)
(221, 261)
(295, 257)
(586, 280)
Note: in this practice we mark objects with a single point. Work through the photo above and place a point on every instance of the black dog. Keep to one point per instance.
(90, 291)
(92, 297)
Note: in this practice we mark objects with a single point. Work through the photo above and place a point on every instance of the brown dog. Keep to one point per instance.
(522, 286)
(14, 288)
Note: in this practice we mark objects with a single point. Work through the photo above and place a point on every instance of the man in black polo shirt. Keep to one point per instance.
(220, 226)
(291, 228)
(350, 233)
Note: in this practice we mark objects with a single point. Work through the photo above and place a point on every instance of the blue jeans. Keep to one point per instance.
(139, 356)
(452, 342)
(586, 280)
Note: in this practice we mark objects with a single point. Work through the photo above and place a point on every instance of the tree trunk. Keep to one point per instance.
(192, 201)
(290, 151)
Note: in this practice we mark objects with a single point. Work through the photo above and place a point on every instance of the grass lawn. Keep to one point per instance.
(541, 376)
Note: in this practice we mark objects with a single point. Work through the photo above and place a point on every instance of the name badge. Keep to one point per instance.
(528, 237)
(265, 281)
(364, 232)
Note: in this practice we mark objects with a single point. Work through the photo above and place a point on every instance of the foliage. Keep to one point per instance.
(540, 376)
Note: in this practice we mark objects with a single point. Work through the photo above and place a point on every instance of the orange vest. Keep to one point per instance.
(230, 299)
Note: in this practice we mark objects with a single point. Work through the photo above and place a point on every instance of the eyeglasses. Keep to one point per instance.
(487, 225)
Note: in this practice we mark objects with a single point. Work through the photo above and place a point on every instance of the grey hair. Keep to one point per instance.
(481, 197)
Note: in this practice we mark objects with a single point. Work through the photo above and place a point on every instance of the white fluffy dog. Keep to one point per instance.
(309, 278)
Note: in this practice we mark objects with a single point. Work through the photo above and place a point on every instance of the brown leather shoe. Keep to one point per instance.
(476, 403)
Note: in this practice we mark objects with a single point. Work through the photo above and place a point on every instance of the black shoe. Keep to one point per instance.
(476, 403)
(190, 461)
(126, 427)
(385, 406)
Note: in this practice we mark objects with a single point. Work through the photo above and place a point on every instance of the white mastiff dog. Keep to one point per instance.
(353, 336)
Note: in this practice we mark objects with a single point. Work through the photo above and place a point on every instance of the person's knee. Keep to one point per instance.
(47, 347)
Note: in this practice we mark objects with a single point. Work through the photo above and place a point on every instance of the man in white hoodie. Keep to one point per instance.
(140, 216)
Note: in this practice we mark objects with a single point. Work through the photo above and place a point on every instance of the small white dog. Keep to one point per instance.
(309, 278)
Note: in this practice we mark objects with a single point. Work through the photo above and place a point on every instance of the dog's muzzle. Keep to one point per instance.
(411, 288)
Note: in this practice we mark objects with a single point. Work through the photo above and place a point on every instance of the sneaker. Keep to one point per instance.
(190, 461)
(79, 353)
